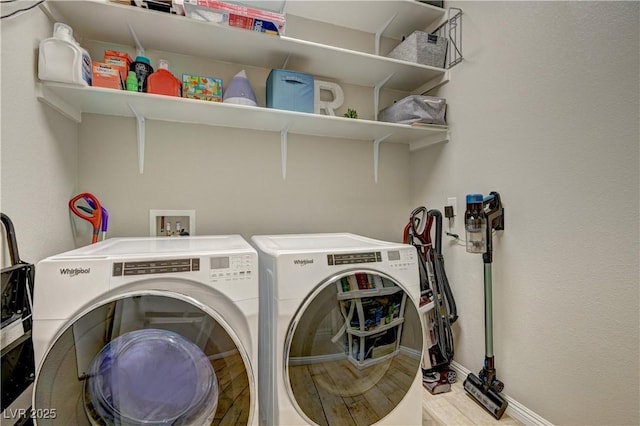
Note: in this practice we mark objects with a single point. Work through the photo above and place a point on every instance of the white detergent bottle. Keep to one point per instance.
(61, 59)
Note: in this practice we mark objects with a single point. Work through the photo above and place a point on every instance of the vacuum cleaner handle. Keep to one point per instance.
(439, 264)
(438, 216)
(11, 239)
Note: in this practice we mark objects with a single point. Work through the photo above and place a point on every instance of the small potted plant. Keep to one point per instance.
(351, 113)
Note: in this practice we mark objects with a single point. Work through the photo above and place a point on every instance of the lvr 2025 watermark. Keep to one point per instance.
(32, 413)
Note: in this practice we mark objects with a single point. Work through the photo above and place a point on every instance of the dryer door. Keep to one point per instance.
(353, 349)
(144, 358)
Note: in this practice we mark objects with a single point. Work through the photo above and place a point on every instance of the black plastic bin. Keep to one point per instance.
(18, 369)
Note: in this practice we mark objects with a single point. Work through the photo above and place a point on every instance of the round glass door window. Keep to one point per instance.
(144, 359)
(353, 349)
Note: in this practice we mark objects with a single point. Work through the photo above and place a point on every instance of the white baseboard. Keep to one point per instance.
(515, 409)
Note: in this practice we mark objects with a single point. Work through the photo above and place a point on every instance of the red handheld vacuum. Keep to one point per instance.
(436, 292)
(482, 217)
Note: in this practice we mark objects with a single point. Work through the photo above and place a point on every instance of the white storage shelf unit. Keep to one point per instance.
(361, 327)
(120, 24)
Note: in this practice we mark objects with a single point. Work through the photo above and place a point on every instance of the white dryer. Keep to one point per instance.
(340, 334)
(151, 331)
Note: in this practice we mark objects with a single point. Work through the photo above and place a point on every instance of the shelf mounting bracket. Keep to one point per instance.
(58, 104)
(433, 83)
(376, 95)
(381, 31)
(140, 121)
(286, 61)
(376, 155)
(139, 48)
(283, 151)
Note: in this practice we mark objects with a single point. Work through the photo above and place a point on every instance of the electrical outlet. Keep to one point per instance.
(453, 202)
(172, 223)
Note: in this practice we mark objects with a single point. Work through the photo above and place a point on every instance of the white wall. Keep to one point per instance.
(545, 110)
(232, 178)
(39, 158)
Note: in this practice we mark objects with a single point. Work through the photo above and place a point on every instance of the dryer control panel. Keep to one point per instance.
(401, 258)
(396, 258)
(230, 268)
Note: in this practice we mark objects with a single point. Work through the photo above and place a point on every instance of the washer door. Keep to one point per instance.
(353, 349)
(152, 358)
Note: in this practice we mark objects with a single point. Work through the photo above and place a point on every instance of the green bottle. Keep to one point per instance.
(132, 82)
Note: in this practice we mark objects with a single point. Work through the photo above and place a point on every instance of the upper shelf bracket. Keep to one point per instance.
(139, 48)
(140, 120)
(380, 31)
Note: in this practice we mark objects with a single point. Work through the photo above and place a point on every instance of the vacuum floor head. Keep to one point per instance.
(491, 400)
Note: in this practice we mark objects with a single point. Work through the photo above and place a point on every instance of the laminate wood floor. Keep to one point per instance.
(457, 408)
(349, 395)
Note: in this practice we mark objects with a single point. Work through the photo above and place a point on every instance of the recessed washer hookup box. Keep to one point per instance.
(290, 90)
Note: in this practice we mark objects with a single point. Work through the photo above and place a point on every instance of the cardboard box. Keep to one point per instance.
(106, 75)
(121, 60)
(236, 16)
(203, 88)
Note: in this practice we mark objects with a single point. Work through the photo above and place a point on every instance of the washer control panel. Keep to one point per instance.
(160, 266)
(230, 268)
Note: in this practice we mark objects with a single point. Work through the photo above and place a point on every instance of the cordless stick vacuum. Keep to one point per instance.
(482, 217)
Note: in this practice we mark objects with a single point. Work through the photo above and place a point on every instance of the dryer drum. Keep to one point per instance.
(353, 347)
(145, 359)
(150, 377)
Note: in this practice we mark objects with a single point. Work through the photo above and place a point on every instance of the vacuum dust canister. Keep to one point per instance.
(475, 223)
(62, 59)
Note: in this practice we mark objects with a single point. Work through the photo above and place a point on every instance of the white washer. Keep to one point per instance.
(340, 333)
(148, 331)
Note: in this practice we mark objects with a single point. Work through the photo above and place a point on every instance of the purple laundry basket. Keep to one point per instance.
(151, 377)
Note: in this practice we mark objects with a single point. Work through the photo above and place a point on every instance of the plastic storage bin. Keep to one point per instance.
(290, 90)
(422, 48)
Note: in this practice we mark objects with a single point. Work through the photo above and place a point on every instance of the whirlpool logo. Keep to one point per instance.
(74, 272)
(302, 262)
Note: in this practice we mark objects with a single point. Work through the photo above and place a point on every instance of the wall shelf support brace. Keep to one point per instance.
(376, 95)
(283, 151)
(141, 137)
(376, 155)
(381, 31)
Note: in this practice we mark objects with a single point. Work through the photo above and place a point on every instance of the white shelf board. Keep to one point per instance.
(110, 22)
(370, 16)
(356, 332)
(73, 101)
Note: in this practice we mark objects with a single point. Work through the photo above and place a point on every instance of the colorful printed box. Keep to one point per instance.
(235, 15)
(106, 75)
(121, 60)
(203, 88)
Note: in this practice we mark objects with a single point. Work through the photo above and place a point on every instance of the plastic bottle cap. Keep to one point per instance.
(474, 198)
(143, 59)
(163, 64)
(62, 31)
